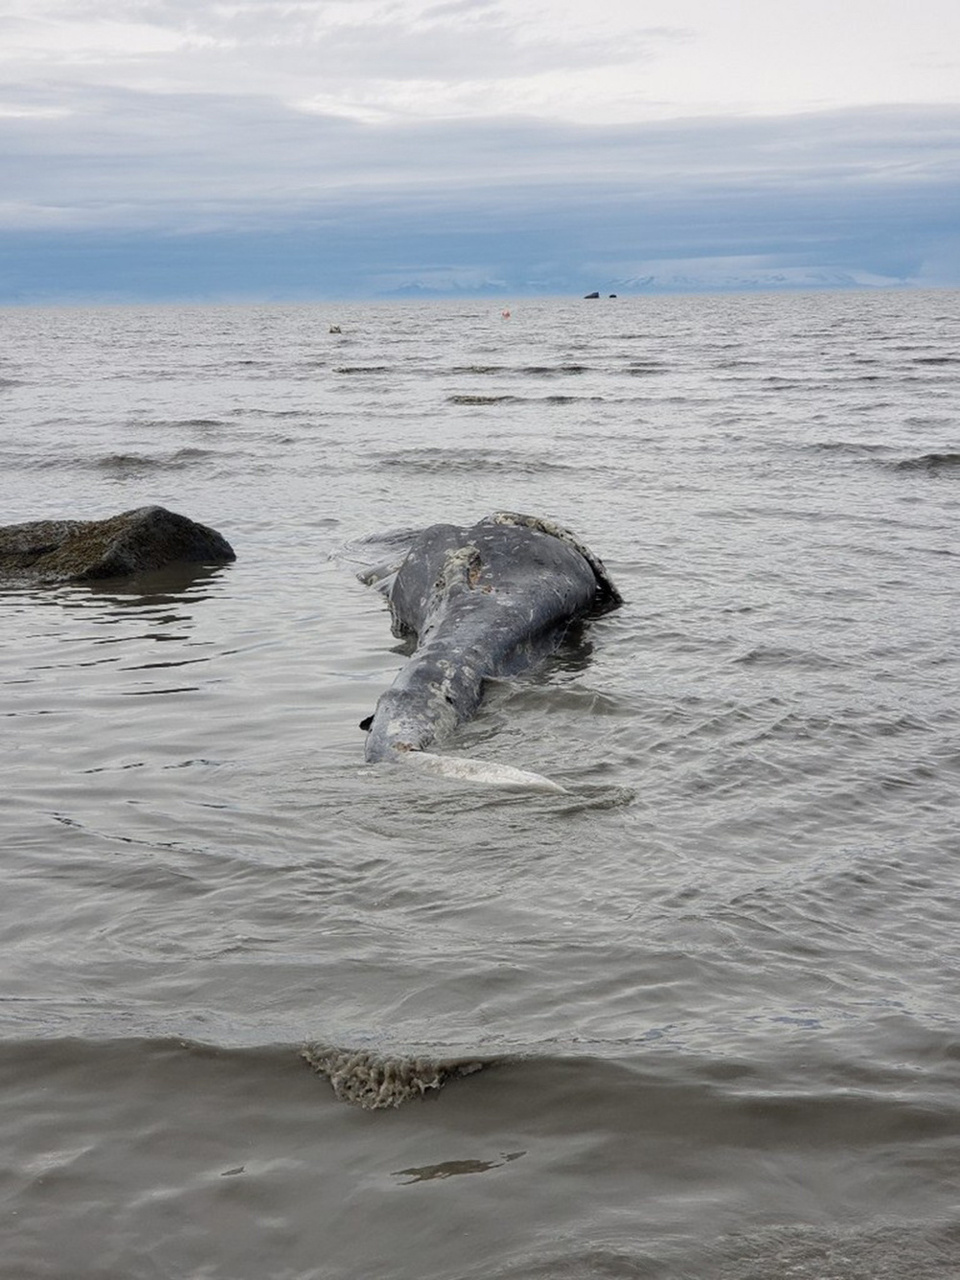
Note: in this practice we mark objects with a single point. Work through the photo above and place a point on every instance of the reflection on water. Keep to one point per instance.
(159, 587)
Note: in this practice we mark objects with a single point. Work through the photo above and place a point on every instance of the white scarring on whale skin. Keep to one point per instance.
(482, 602)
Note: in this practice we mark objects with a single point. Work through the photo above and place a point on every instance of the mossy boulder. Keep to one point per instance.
(136, 541)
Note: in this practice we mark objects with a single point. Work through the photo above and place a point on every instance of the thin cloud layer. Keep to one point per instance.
(165, 160)
(549, 58)
(408, 59)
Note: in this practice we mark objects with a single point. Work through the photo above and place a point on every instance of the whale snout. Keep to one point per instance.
(395, 728)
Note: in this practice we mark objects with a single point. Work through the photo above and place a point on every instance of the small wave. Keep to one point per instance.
(529, 370)
(551, 370)
(853, 447)
(663, 1073)
(362, 368)
(142, 462)
(117, 463)
(469, 460)
(469, 399)
(136, 422)
(934, 463)
(168, 424)
(508, 399)
(936, 360)
(774, 656)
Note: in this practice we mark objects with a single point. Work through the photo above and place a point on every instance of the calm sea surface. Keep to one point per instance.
(715, 990)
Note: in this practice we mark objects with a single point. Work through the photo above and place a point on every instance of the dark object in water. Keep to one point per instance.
(374, 1080)
(137, 541)
(595, 294)
(482, 602)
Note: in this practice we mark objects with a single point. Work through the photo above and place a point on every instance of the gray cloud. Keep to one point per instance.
(530, 203)
(122, 157)
(457, 7)
(293, 49)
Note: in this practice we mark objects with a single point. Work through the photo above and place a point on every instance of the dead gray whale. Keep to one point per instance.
(481, 602)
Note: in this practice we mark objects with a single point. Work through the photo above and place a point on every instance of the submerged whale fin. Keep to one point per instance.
(466, 769)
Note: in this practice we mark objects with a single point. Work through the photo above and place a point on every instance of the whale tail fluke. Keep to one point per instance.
(466, 769)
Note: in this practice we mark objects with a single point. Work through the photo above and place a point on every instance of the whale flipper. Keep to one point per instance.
(486, 772)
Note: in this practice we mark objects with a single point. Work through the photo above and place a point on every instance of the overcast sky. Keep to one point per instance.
(310, 148)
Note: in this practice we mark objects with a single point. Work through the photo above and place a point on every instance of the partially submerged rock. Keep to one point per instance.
(136, 541)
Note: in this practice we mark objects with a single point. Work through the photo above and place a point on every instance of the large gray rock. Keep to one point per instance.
(87, 550)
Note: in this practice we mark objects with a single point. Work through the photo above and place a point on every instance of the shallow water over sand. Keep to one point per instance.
(714, 990)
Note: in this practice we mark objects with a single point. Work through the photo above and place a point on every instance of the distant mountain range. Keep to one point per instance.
(480, 289)
(692, 280)
(671, 278)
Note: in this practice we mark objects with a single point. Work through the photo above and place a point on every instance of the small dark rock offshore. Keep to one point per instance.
(138, 541)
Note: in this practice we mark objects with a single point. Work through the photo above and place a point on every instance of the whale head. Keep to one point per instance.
(406, 720)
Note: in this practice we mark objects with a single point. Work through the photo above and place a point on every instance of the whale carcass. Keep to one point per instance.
(480, 602)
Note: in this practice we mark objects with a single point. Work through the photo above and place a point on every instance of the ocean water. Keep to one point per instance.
(713, 992)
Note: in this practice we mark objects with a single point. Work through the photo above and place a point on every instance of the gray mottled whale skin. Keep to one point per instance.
(482, 602)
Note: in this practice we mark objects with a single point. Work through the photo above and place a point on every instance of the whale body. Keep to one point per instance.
(480, 602)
